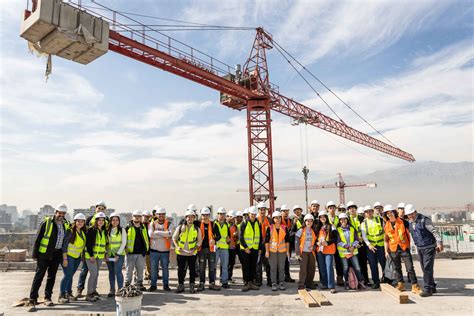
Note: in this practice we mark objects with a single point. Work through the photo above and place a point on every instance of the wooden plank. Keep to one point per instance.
(308, 299)
(400, 297)
(319, 297)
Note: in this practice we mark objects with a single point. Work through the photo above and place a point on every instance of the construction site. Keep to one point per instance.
(337, 248)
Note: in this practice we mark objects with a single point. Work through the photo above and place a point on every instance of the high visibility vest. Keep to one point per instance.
(222, 243)
(286, 222)
(327, 250)
(343, 251)
(190, 236)
(92, 221)
(298, 223)
(115, 241)
(334, 221)
(374, 231)
(277, 240)
(355, 223)
(397, 236)
(210, 235)
(131, 237)
(76, 248)
(251, 236)
(166, 225)
(264, 224)
(99, 247)
(303, 239)
(233, 242)
(44, 242)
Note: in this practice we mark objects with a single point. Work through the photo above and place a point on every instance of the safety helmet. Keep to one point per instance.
(401, 205)
(314, 202)
(330, 203)
(192, 207)
(204, 211)
(343, 215)
(79, 216)
(284, 208)
(62, 208)
(100, 215)
(189, 213)
(377, 204)
(388, 208)
(409, 209)
(308, 216)
(100, 203)
(351, 203)
(295, 207)
(221, 210)
(262, 205)
(276, 214)
(253, 210)
(323, 212)
(368, 208)
(160, 210)
(238, 213)
(137, 213)
(246, 211)
(114, 214)
(146, 213)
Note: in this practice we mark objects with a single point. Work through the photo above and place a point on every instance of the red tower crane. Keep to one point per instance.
(252, 91)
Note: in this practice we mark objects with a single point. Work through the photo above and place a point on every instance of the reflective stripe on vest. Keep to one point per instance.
(222, 243)
(343, 251)
(251, 236)
(264, 224)
(75, 249)
(233, 242)
(374, 231)
(115, 241)
(334, 221)
(397, 236)
(189, 236)
(131, 238)
(99, 247)
(277, 240)
(303, 239)
(210, 235)
(298, 224)
(47, 234)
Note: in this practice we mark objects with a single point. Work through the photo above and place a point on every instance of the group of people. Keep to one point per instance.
(346, 237)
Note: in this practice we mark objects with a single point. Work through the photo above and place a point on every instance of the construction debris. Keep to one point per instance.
(394, 293)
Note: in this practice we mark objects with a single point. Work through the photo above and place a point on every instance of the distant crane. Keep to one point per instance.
(339, 184)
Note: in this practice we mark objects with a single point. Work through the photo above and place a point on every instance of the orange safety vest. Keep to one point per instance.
(233, 230)
(286, 222)
(327, 250)
(277, 240)
(397, 236)
(264, 225)
(167, 240)
(209, 235)
(303, 238)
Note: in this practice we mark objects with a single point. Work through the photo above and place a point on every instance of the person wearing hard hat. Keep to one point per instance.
(222, 245)
(117, 236)
(373, 235)
(48, 251)
(334, 221)
(378, 209)
(298, 218)
(314, 209)
(160, 232)
(305, 240)
(427, 241)
(234, 245)
(72, 253)
(401, 210)
(250, 245)
(277, 250)
(245, 214)
(187, 239)
(146, 219)
(138, 244)
(286, 220)
(397, 246)
(96, 246)
(207, 251)
(341, 208)
(355, 219)
(262, 263)
(347, 248)
(326, 237)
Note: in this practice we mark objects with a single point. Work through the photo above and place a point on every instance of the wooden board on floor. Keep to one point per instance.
(400, 297)
(319, 297)
(308, 300)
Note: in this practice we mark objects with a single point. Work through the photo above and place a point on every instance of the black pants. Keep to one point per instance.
(263, 263)
(42, 265)
(249, 265)
(339, 268)
(363, 263)
(427, 259)
(232, 254)
(183, 263)
(397, 258)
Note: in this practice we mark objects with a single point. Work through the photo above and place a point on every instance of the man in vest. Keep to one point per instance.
(222, 244)
(314, 208)
(138, 244)
(234, 245)
(378, 209)
(428, 241)
(355, 222)
(48, 253)
(286, 220)
(146, 219)
(401, 210)
(207, 250)
(250, 245)
(373, 235)
(245, 214)
(298, 221)
(334, 220)
(262, 262)
(160, 232)
(397, 246)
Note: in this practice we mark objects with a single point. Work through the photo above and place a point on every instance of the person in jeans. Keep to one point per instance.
(48, 253)
(428, 241)
(207, 251)
(137, 246)
(72, 253)
(187, 239)
(160, 232)
(277, 249)
(326, 248)
(222, 245)
(96, 245)
(347, 248)
(117, 236)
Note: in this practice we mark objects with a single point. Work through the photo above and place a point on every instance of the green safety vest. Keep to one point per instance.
(374, 231)
(75, 249)
(43, 247)
(115, 241)
(190, 236)
(355, 223)
(99, 247)
(251, 236)
(298, 223)
(131, 238)
(343, 251)
(222, 243)
(335, 221)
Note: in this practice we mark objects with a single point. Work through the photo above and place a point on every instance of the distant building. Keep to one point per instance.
(125, 218)
(32, 222)
(5, 220)
(25, 213)
(12, 210)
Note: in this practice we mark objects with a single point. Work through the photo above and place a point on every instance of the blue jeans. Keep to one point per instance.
(355, 264)
(222, 255)
(326, 268)
(115, 272)
(82, 277)
(377, 257)
(66, 282)
(155, 259)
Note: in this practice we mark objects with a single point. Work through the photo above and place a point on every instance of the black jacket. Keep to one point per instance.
(90, 240)
(50, 251)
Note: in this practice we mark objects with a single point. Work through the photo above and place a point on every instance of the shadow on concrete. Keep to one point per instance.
(454, 287)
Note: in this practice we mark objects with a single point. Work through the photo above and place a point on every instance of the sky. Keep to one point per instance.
(135, 136)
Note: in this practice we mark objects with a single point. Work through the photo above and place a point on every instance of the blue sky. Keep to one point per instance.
(135, 136)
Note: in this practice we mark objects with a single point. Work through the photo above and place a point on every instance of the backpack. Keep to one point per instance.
(352, 279)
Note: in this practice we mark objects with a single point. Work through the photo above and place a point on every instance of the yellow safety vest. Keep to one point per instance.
(189, 236)
(374, 231)
(131, 238)
(343, 251)
(355, 223)
(334, 221)
(43, 247)
(115, 241)
(75, 249)
(99, 247)
(251, 236)
(92, 221)
(222, 243)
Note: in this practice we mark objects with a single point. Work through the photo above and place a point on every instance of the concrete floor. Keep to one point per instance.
(455, 296)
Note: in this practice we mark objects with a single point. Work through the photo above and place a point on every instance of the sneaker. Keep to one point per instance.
(346, 287)
(253, 286)
(180, 288)
(400, 286)
(323, 287)
(214, 287)
(333, 291)
(426, 293)
(141, 287)
(71, 297)
(339, 281)
(192, 290)
(48, 301)
(200, 287)
(31, 306)
(246, 288)
(434, 291)
(79, 293)
(96, 294)
(91, 298)
(63, 299)
(313, 286)
(152, 288)
(281, 287)
(274, 287)
(166, 288)
(375, 286)
(289, 280)
(225, 286)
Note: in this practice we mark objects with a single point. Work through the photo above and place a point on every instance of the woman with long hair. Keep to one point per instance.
(117, 237)
(326, 248)
(96, 243)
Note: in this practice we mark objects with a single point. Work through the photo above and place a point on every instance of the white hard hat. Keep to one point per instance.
(323, 212)
(388, 207)
(231, 213)
(137, 213)
(276, 214)
(341, 206)
(409, 209)
(160, 210)
(360, 210)
(284, 208)
(62, 208)
(146, 213)
(192, 207)
(79, 216)
(401, 205)
(368, 207)
(309, 216)
(238, 213)
(330, 203)
(189, 213)
(246, 211)
(253, 210)
(100, 203)
(295, 207)
(343, 215)
(351, 203)
(315, 202)
(204, 211)
(100, 215)
(156, 207)
(262, 205)
(114, 214)
(377, 204)
(221, 210)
